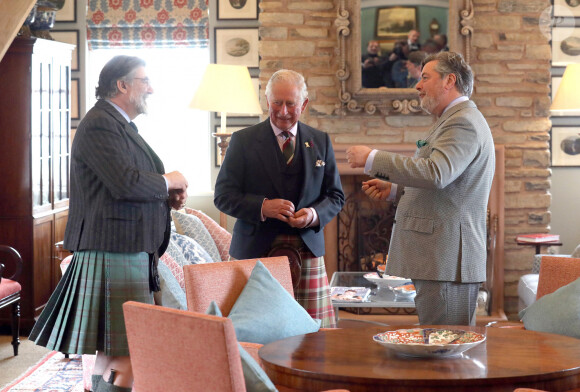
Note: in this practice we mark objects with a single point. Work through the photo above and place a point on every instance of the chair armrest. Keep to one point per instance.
(12, 262)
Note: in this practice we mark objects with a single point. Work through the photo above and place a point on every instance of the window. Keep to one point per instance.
(179, 135)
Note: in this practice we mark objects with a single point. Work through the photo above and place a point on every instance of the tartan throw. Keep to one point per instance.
(313, 291)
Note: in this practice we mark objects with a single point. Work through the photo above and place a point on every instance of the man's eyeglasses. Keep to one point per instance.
(144, 81)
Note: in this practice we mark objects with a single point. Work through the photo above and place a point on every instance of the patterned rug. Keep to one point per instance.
(53, 373)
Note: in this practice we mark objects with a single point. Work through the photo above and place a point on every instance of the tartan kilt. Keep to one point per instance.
(313, 291)
(85, 312)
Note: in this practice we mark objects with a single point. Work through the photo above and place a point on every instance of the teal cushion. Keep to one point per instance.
(265, 311)
(255, 377)
(558, 312)
(171, 294)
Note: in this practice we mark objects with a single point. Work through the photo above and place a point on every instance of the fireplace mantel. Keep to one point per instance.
(495, 207)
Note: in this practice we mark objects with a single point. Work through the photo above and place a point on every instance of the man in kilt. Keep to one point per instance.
(118, 226)
(279, 179)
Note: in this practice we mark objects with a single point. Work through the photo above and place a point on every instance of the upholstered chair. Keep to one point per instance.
(10, 269)
(204, 357)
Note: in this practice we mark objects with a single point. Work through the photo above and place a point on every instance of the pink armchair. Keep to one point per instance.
(10, 269)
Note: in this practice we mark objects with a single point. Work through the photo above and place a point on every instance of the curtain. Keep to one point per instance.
(147, 23)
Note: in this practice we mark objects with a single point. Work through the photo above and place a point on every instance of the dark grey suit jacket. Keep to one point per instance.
(250, 173)
(118, 200)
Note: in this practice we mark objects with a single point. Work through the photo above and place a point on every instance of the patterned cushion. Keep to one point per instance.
(174, 267)
(170, 295)
(192, 226)
(221, 236)
(193, 252)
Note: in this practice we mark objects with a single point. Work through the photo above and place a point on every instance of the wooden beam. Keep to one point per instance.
(13, 13)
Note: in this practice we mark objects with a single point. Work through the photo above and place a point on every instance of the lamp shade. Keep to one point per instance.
(226, 89)
(568, 95)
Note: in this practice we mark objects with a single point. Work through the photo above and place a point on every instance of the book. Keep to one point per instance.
(538, 238)
(349, 294)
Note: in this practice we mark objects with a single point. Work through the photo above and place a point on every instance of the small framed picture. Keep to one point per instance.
(565, 146)
(68, 12)
(256, 84)
(74, 99)
(395, 22)
(237, 46)
(565, 46)
(69, 37)
(217, 148)
(237, 9)
(566, 7)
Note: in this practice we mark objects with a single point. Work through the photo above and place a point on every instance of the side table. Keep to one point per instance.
(540, 244)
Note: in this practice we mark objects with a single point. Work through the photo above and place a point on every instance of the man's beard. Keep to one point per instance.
(428, 104)
(140, 103)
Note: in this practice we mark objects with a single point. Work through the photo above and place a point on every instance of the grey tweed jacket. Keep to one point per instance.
(440, 229)
(118, 197)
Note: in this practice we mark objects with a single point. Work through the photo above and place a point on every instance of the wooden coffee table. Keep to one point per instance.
(349, 358)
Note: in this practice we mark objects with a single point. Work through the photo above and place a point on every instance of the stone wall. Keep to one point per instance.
(511, 62)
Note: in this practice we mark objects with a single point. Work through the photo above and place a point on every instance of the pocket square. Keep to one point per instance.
(320, 163)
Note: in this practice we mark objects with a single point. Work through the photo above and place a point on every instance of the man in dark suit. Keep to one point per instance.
(118, 226)
(280, 180)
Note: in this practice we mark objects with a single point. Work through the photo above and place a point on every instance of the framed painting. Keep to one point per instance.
(395, 22)
(237, 9)
(566, 8)
(74, 99)
(565, 46)
(565, 146)
(69, 37)
(217, 149)
(68, 12)
(256, 84)
(237, 46)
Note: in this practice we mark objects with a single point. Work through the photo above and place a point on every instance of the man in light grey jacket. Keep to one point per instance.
(439, 236)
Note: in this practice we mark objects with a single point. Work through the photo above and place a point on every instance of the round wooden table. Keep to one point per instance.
(349, 358)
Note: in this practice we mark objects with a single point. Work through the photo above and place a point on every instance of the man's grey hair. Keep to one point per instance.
(118, 68)
(287, 75)
(453, 63)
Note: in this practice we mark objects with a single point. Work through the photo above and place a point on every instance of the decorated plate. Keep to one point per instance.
(429, 342)
(387, 281)
(405, 290)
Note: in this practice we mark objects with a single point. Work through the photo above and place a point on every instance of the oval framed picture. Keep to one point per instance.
(235, 46)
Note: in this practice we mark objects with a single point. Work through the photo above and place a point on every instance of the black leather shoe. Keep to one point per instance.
(107, 386)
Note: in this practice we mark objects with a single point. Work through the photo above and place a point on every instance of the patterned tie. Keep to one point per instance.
(288, 147)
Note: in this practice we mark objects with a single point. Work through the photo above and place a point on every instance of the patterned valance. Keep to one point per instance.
(147, 23)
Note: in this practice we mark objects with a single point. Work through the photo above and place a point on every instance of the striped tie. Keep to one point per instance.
(288, 147)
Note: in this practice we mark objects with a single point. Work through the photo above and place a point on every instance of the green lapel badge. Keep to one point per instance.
(421, 143)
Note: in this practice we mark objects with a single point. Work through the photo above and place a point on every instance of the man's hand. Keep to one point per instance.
(357, 155)
(177, 198)
(176, 181)
(278, 209)
(377, 189)
(301, 219)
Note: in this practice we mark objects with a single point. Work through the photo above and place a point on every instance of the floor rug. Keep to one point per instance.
(53, 373)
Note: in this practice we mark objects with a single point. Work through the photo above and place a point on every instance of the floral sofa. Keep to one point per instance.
(195, 238)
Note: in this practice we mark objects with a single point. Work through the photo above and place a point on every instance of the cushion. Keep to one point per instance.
(176, 253)
(557, 312)
(175, 269)
(527, 289)
(265, 311)
(171, 294)
(220, 236)
(538, 262)
(192, 251)
(192, 226)
(255, 377)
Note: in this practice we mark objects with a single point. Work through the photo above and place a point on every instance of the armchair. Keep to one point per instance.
(10, 269)
(206, 358)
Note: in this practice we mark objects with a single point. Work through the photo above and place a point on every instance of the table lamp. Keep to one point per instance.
(226, 89)
(567, 100)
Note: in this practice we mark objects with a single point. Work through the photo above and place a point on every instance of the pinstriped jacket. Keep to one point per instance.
(440, 229)
(118, 197)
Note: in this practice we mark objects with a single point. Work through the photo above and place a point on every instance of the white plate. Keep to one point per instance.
(408, 342)
(386, 281)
